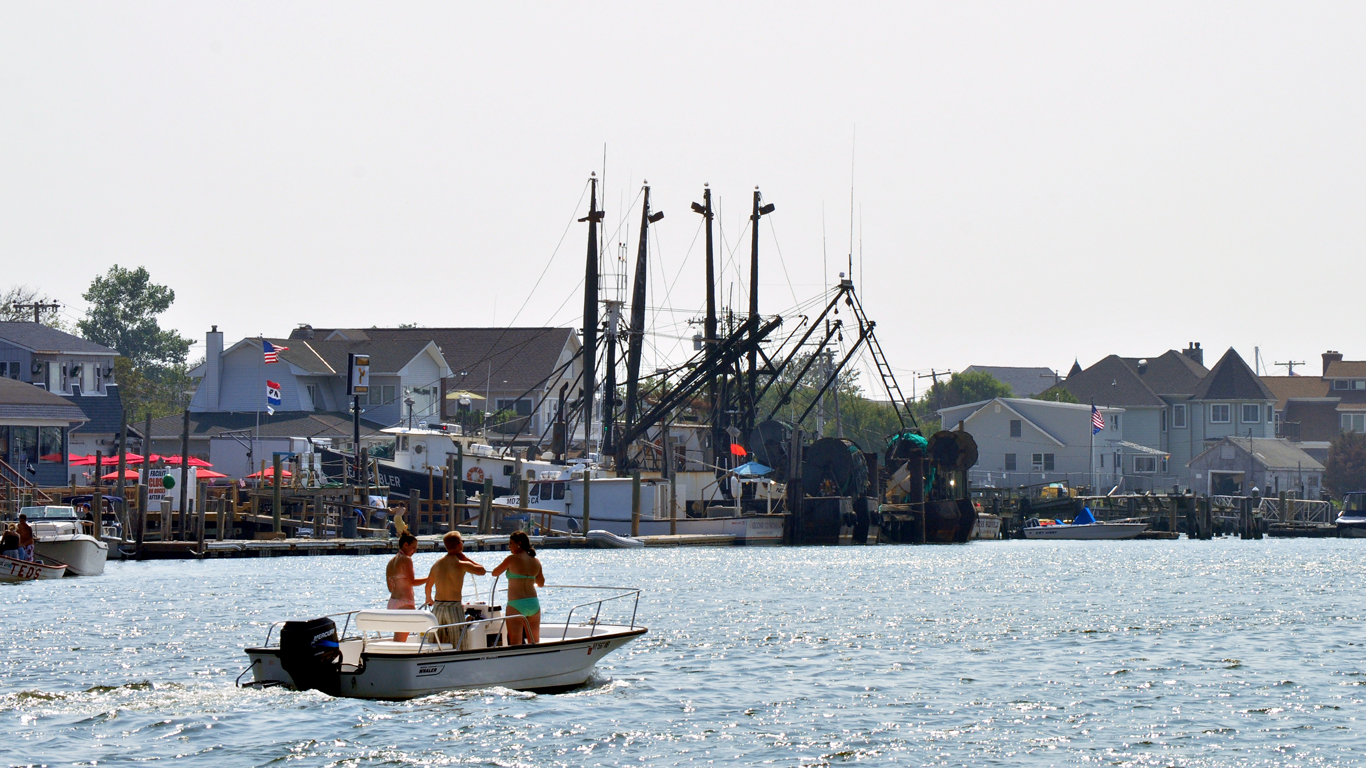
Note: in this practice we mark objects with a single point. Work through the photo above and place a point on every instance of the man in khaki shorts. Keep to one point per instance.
(448, 576)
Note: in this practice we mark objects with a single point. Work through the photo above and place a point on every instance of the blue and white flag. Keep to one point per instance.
(272, 396)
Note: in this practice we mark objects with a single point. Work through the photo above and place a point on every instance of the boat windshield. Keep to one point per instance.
(50, 513)
(1355, 503)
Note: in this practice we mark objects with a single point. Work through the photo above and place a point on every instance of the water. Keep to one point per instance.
(1223, 653)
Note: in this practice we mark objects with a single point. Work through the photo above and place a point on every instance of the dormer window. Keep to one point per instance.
(1341, 384)
(1359, 384)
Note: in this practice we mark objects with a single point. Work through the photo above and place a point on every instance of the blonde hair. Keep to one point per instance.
(451, 538)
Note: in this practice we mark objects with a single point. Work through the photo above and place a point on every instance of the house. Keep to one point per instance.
(1027, 442)
(1234, 466)
(71, 367)
(405, 377)
(1174, 406)
(35, 429)
(1312, 410)
(514, 370)
(1023, 382)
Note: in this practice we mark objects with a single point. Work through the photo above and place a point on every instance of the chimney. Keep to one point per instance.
(1194, 352)
(1143, 366)
(304, 331)
(1330, 357)
(213, 369)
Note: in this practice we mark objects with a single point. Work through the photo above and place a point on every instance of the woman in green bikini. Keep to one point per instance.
(524, 575)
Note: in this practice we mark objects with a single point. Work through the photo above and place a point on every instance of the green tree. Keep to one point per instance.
(1057, 394)
(124, 304)
(12, 312)
(1345, 469)
(961, 388)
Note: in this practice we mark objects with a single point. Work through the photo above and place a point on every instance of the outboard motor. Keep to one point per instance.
(311, 654)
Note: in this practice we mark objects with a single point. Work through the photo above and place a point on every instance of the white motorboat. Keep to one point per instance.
(988, 526)
(12, 569)
(362, 661)
(60, 534)
(1352, 520)
(1085, 526)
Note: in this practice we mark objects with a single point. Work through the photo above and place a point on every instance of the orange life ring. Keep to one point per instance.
(475, 475)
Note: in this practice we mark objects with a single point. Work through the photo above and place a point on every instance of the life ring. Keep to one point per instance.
(475, 475)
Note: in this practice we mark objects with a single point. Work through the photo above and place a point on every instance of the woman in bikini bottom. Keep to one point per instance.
(524, 575)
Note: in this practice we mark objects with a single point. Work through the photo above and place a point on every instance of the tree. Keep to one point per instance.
(1057, 394)
(1345, 469)
(11, 312)
(124, 304)
(971, 387)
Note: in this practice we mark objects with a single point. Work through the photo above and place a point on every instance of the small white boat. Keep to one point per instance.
(988, 526)
(1352, 521)
(1084, 527)
(363, 662)
(24, 570)
(612, 541)
(60, 534)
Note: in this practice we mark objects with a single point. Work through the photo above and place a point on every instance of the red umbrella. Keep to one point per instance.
(209, 474)
(128, 474)
(175, 460)
(77, 460)
(270, 473)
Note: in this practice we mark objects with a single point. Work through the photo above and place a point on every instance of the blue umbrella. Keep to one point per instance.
(752, 469)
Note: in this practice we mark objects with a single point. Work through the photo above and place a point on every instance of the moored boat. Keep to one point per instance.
(1351, 521)
(1084, 527)
(360, 662)
(60, 534)
(12, 569)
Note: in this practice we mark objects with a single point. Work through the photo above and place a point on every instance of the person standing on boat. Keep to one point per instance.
(448, 576)
(524, 575)
(9, 544)
(401, 579)
(25, 538)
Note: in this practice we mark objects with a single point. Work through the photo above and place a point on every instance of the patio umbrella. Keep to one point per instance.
(209, 474)
(77, 460)
(175, 461)
(128, 474)
(270, 474)
(463, 394)
(751, 469)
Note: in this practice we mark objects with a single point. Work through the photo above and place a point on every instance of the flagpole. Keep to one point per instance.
(260, 366)
(1091, 455)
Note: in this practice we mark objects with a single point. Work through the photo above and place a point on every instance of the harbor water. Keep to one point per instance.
(1218, 653)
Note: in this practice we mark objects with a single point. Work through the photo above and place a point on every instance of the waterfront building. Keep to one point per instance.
(71, 367)
(35, 429)
(1312, 410)
(1233, 466)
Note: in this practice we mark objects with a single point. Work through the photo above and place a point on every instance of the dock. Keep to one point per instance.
(311, 547)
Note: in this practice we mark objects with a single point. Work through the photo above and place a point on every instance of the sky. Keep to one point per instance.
(1015, 184)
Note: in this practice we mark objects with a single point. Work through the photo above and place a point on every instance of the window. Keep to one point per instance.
(1271, 414)
(1340, 384)
(379, 395)
(1354, 422)
(1251, 413)
(50, 445)
(1037, 461)
(24, 443)
(9, 370)
(1145, 465)
(313, 395)
(1219, 413)
(1114, 421)
(1164, 464)
(1010, 462)
(90, 378)
(1048, 462)
(1179, 416)
(1359, 384)
(558, 491)
(1014, 427)
(1164, 419)
(522, 407)
(1102, 461)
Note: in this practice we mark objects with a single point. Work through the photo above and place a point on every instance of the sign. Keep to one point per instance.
(357, 374)
(155, 490)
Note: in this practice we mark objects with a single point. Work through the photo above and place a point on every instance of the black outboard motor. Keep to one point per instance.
(311, 654)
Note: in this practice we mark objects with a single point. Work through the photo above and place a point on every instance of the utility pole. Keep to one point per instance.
(38, 307)
(1289, 366)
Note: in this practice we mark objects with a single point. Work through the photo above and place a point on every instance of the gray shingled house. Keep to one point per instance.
(35, 427)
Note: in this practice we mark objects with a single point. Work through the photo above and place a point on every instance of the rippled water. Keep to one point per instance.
(996, 653)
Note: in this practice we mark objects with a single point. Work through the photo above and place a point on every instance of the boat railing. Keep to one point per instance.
(342, 634)
(596, 605)
(464, 627)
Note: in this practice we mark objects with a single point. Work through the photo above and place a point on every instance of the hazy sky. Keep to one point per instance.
(1032, 183)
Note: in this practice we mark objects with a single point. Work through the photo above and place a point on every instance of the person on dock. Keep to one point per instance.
(524, 575)
(25, 538)
(448, 577)
(401, 579)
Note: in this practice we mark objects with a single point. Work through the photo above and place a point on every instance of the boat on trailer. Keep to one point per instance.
(361, 661)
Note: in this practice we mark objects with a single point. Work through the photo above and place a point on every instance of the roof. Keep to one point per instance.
(1285, 388)
(281, 424)
(522, 357)
(1231, 379)
(1270, 452)
(328, 358)
(1111, 381)
(36, 337)
(1023, 382)
(105, 413)
(1345, 369)
(1170, 373)
(21, 400)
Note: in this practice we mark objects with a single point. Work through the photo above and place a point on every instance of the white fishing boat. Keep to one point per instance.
(1351, 521)
(12, 569)
(1085, 526)
(60, 534)
(363, 661)
(988, 526)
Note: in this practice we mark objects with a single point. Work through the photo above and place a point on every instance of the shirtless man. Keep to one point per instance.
(448, 576)
(401, 579)
(25, 538)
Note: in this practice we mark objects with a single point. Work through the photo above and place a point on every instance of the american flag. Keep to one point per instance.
(273, 352)
(1097, 420)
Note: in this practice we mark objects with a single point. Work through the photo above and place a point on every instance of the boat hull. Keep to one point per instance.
(23, 570)
(84, 555)
(1088, 532)
(550, 665)
(987, 527)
